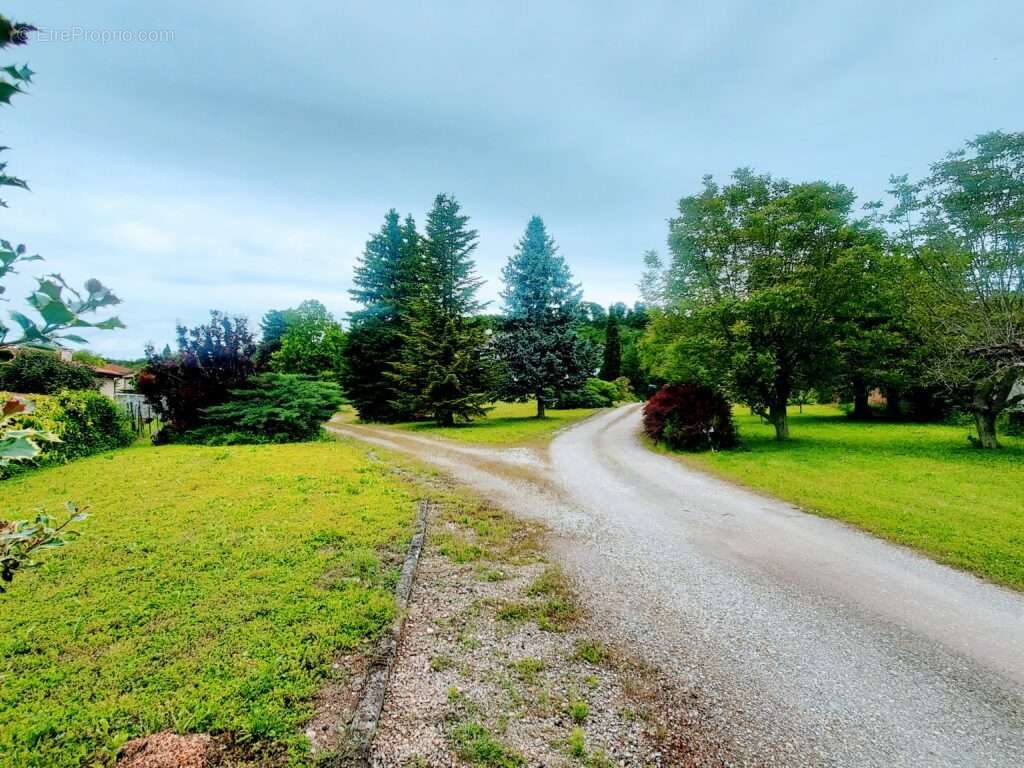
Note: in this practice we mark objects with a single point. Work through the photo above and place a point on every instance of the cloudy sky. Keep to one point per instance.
(221, 154)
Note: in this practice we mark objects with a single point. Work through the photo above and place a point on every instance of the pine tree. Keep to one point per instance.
(386, 281)
(445, 371)
(611, 367)
(538, 345)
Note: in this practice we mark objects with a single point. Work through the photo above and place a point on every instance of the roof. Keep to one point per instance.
(114, 371)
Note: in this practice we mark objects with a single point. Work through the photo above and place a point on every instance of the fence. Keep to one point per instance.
(140, 413)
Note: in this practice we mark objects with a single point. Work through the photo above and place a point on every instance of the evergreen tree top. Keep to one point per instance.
(387, 272)
(537, 279)
(448, 269)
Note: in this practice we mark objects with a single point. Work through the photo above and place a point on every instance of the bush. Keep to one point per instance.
(43, 373)
(690, 417)
(625, 390)
(596, 393)
(212, 360)
(86, 423)
(272, 408)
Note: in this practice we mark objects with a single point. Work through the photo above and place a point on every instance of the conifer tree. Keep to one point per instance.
(445, 372)
(538, 345)
(386, 281)
(611, 367)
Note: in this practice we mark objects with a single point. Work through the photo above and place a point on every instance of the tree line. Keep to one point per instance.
(775, 289)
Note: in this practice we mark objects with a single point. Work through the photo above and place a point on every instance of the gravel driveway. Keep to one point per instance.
(801, 640)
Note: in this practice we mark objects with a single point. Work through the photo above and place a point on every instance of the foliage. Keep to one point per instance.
(963, 226)
(215, 600)
(386, 281)
(445, 372)
(86, 357)
(754, 297)
(690, 417)
(913, 484)
(625, 390)
(21, 540)
(271, 408)
(212, 360)
(80, 422)
(505, 424)
(41, 372)
(611, 361)
(312, 344)
(595, 393)
(537, 343)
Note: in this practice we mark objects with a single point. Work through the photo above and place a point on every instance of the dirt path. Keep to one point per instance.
(802, 640)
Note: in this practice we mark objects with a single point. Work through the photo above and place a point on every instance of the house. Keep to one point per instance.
(113, 380)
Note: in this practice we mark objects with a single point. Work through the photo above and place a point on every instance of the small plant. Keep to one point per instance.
(690, 417)
(577, 744)
(475, 744)
(21, 540)
(528, 669)
(591, 651)
(578, 710)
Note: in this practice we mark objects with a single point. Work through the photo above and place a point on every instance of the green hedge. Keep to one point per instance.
(86, 423)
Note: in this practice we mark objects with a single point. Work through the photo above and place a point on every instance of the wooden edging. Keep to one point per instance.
(363, 725)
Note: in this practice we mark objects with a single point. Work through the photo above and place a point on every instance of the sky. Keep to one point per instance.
(199, 155)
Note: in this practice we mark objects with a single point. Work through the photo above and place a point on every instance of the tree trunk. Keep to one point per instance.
(986, 423)
(861, 409)
(446, 419)
(778, 417)
(540, 405)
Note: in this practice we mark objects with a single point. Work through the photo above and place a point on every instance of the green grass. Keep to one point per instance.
(210, 591)
(921, 485)
(506, 424)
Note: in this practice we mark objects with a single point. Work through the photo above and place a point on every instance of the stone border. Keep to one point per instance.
(363, 726)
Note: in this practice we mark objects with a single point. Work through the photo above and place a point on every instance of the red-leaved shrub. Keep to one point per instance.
(691, 417)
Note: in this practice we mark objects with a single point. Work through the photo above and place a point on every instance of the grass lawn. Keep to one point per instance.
(507, 423)
(210, 590)
(916, 484)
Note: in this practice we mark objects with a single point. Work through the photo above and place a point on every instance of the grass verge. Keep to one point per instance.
(505, 424)
(210, 591)
(921, 485)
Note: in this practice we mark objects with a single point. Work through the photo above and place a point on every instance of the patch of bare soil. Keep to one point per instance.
(171, 750)
(497, 666)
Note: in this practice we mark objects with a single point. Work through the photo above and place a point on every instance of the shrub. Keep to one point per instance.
(85, 423)
(691, 417)
(625, 390)
(272, 408)
(212, 360)
(596, 393)
(43, 373)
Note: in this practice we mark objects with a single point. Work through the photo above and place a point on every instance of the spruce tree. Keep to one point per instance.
(445, 371)
(386, 281)
(538, 346)
(611, 367)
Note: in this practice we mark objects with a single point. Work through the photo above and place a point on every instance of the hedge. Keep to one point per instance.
(86, 422)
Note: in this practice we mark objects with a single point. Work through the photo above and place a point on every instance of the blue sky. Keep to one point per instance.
(240, 160)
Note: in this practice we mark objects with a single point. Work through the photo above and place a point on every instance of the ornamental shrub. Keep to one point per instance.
(271, 408)
(86, 422)
(690, 417)
(596, 393)
(43, 373)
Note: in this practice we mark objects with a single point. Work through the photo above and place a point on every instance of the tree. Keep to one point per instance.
(43, 373)
(313, 343)
(759, 269)
(273, 326)
(963, 227)
(212, 359)
(611, 365)
(445, 370)
(386, 281)
(537, 344)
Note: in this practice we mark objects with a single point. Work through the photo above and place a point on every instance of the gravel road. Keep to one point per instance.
(801, 640)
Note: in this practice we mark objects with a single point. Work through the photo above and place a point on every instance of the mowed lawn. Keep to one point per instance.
(209, 592)
(921, 485)
(505, 423)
